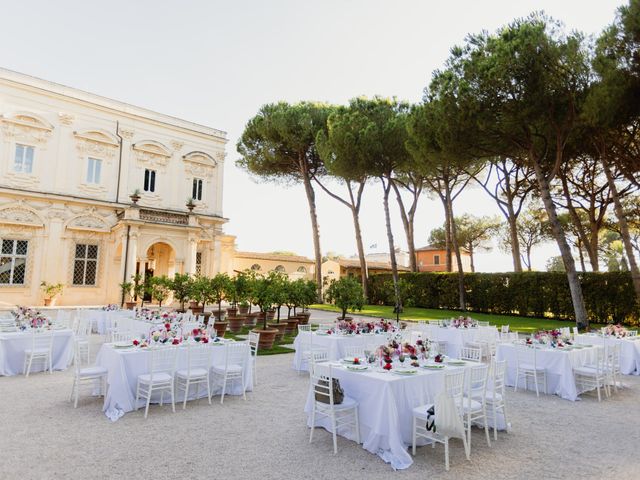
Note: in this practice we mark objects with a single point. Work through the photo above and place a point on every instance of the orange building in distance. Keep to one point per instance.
(434, 259)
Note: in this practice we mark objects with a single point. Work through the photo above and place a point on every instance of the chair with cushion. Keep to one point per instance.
(612, 365)
(474, 400)
(82, 333)
(527, 367)
(87, 376)
(453, 392)
(41, 350)
(317, 356)
(235, 361)
(162, 365)
(197, 371)
(593, 376)
(495, 394)
(340, 414)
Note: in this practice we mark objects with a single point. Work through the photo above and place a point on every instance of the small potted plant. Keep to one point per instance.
(126, 288)
(135, 196)
(346, 294)
(262, 293)
(51, 291)
(191, 204)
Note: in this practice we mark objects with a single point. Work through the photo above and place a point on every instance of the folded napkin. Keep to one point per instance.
(114, 413)
(448, 421)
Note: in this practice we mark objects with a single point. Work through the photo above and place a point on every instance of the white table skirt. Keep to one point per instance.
(335, 344)
(124, 366)
(385, 406)
(558, 366)
(629, 350)
(13, 345)
(456, 337)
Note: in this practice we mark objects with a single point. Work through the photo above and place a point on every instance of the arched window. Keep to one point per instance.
(302, 270)
(256, 267)
(279, 268)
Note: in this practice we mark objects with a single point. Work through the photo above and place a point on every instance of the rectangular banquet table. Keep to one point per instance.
(558, 365)
(13, 345)
(124, 366)
(457, 337)
(335, 344)
(629, 350)
(385, 407)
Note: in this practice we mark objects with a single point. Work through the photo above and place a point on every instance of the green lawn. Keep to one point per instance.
(518, 324)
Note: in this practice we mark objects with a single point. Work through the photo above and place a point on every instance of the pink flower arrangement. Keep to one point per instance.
(617, 331)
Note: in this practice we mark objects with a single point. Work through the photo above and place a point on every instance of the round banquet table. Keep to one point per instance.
(13, 345)
(124, 366)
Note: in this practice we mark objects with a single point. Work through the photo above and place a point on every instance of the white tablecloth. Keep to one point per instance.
(335, 344)
(629, 350)
(385, 403)
(456, 337)
(124, 366)
(13, 345)
(102, 320)
(558, 365)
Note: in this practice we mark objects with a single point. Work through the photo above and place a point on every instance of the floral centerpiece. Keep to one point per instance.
(401, 350)
(617, 331)
(111, 307)
(461, 322)
(27, 317)
(348, 327)
(553, 338)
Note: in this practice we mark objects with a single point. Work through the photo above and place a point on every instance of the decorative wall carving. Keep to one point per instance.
(66, 118)
(20, 216)
(26, 127)
(89, 222)
(96, 143)
(199, 164)
(151, 154)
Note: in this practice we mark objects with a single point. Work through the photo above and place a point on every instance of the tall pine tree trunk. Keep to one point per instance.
(514, 240)
(311, 199)
(565, 251)
(624, 228)
(392, 248)
(407, 223)
(456, 249)
(363, 262)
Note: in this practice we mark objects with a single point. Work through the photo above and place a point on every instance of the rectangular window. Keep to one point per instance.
(85, 266)
(436, 259)
(13, 262)
(196, 192)
(23, 162)
(198, 263)
(149, 180)
(94, 167)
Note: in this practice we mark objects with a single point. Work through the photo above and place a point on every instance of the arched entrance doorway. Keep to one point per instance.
(160, 260)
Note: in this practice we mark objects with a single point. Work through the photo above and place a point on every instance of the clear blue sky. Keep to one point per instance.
(217, 62)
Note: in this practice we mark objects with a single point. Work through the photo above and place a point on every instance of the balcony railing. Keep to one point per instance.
(156, 216)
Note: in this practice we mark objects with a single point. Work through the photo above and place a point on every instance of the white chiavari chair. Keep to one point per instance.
(88, 377)
(593, 376)
(254, 341)
(317, 356)
(235, 361)
(41, 350)
(612, 365)
(340, 415)
(482, 323)
(304, 328)
(162, 365)
(504, 329)
(471, 353)
(495, 395)
(527, 367)
(454, 390)
(122, 336)
(354, 351)
(83, 338)
(474, 400)
(197, 371)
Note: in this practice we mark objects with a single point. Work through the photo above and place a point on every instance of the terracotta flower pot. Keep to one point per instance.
(281, 327)
(271, 314)
(267, 337)
(292, 325)
(232, 312)
(345, 319)
(196, 310)
(221, 328)
(236, 322)
(251, 319)
(218, 315)
(47, 302)
(303, 318)
(243, 310)
(130, 305)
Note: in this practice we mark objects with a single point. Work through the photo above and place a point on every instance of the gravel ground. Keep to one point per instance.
(42, 437)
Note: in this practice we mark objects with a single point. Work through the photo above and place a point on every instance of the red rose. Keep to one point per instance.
(136, 343)
(196, 331)
(356, 361)
(175, 341)
(205, 340)
(387, 366)
(167, 326)
(328, 332)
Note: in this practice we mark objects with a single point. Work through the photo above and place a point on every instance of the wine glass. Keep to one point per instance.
(402, 358)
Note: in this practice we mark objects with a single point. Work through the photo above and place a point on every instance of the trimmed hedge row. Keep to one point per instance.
(609, 297)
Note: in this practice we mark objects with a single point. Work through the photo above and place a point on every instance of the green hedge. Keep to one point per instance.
(609, 297)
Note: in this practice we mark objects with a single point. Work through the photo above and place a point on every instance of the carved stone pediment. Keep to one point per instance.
(199, 164)
(26, 127)
(16, 215)
(151, 154)
(89, 222)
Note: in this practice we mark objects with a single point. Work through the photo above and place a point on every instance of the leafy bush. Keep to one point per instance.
(345, 294)
(609, 297)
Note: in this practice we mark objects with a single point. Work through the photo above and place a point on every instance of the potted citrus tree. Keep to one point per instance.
(126, 288)
(198, 290)
(160, 290)
(138, 288)
(280, 288)
(308, 296)
(235, 321)
(252, 317)
(262, 293)
(346, 294)
(217, 291)
(181, 288)
(51, 291)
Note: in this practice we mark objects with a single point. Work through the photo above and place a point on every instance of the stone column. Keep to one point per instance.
(190, 255)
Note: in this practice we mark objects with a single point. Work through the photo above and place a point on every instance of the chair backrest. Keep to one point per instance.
(498, 371)
(41, 340)
(434, 322)
(526, 355)
(440, 347)
(198, 356)
(477, 380)
(632, 333)
(317, 356)
(162, 360)
(83, 327)
(304, 328)
(613, 357)
(471, 353)
(504, 329)
(235, 354)
(482, 323)
(8, 325)
(566, 331)
(354, 351)
(122, 336)
(601, 358)
(575, 330)
(253, 340)
(189, 326)
(324, 326)
(454, 383)
(509, 337)
(322, 386)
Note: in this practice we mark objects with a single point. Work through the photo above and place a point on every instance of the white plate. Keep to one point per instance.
(432, 366)
(457, 363)
(357, 368)
(122, 345)
(348, 360)
(405, 372)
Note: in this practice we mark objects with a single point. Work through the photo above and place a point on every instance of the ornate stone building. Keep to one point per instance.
(69, 164)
